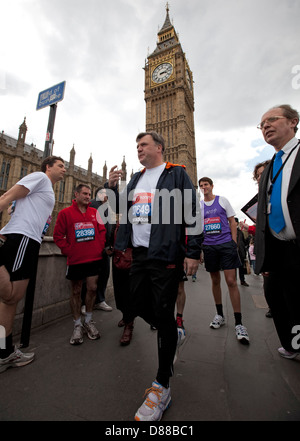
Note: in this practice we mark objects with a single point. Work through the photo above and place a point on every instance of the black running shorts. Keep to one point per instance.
(221, 257)
(83, 270)
(19, 255)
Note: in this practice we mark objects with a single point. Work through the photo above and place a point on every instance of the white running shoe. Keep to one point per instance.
(16, 359)
(103, 306)
(91, 330)
(77, 336)
(217, 322)
(242, 334)
(157, 401)
(286, 354)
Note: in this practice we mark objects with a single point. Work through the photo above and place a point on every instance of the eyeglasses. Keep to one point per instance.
(269, 120)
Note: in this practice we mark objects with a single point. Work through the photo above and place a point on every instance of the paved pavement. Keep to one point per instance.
(215, 379)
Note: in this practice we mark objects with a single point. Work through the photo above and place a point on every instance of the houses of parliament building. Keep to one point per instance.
(18, 159)
(169, 98)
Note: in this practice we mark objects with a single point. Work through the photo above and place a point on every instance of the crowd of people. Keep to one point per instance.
(161, 235)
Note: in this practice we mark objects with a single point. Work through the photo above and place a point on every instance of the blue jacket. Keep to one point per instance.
(170, 242)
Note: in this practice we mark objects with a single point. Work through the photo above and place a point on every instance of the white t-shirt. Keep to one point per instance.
(142, 205)
(224, 204)
(32, 214)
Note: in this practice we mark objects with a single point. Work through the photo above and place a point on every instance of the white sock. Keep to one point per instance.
(77, 322)
(88, 317)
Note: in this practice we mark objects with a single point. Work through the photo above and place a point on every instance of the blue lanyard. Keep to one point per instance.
(279, 171)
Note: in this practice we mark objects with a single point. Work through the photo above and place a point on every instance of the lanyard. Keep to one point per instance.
(279, 171)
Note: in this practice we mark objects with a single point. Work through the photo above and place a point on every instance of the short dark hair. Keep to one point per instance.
(50, 160)
(80, 186)
(205, 179)
(157, 138)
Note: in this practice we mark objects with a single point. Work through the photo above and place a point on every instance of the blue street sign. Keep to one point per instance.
(51, 96)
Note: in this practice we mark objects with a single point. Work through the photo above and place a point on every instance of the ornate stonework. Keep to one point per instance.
(169, 98)
(18, 159)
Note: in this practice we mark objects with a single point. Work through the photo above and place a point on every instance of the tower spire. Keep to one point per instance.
(169, 85)
(167, 36)
(167, 24)
(22, 136)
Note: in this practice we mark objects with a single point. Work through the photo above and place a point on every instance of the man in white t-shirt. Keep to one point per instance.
(20, 240)
(221, 253)
(161, 222)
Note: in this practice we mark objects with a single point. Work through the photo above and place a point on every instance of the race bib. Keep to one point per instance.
(84, 231)
(212, 225)
(141, 208)
(47, 225)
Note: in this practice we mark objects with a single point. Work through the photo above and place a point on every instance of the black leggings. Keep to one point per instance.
(153, 293)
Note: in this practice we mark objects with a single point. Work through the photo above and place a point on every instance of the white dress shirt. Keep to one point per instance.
(287, 233)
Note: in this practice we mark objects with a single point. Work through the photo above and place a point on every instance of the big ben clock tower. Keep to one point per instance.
(169, 99)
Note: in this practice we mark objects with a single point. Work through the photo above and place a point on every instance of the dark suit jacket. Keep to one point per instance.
(263, 249)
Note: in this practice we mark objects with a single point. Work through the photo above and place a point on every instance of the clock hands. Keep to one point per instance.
(162, 73)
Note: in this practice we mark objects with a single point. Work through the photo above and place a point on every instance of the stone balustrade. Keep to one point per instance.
(52, 289)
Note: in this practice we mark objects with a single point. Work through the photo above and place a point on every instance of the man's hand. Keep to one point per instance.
(190, 266)
(114, 176)
(14, 193)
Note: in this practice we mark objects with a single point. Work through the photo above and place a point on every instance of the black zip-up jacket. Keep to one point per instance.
(170, 242)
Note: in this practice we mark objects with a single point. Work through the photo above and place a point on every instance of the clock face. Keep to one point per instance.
(162, 72)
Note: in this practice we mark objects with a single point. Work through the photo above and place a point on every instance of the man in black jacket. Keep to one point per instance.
(277, 238)
(161, 222)
(242, 250)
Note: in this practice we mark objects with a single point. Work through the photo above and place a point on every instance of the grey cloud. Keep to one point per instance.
(241, 54)
(13, 85)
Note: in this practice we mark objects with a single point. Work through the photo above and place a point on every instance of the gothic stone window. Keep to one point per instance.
(4, 173)
(61, 191)
(24, 171)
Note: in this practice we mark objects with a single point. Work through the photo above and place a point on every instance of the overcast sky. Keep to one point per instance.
(244, 56)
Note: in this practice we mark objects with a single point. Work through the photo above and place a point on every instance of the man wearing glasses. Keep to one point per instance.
(277, 239)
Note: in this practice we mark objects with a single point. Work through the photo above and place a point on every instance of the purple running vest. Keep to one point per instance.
(216, 226)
